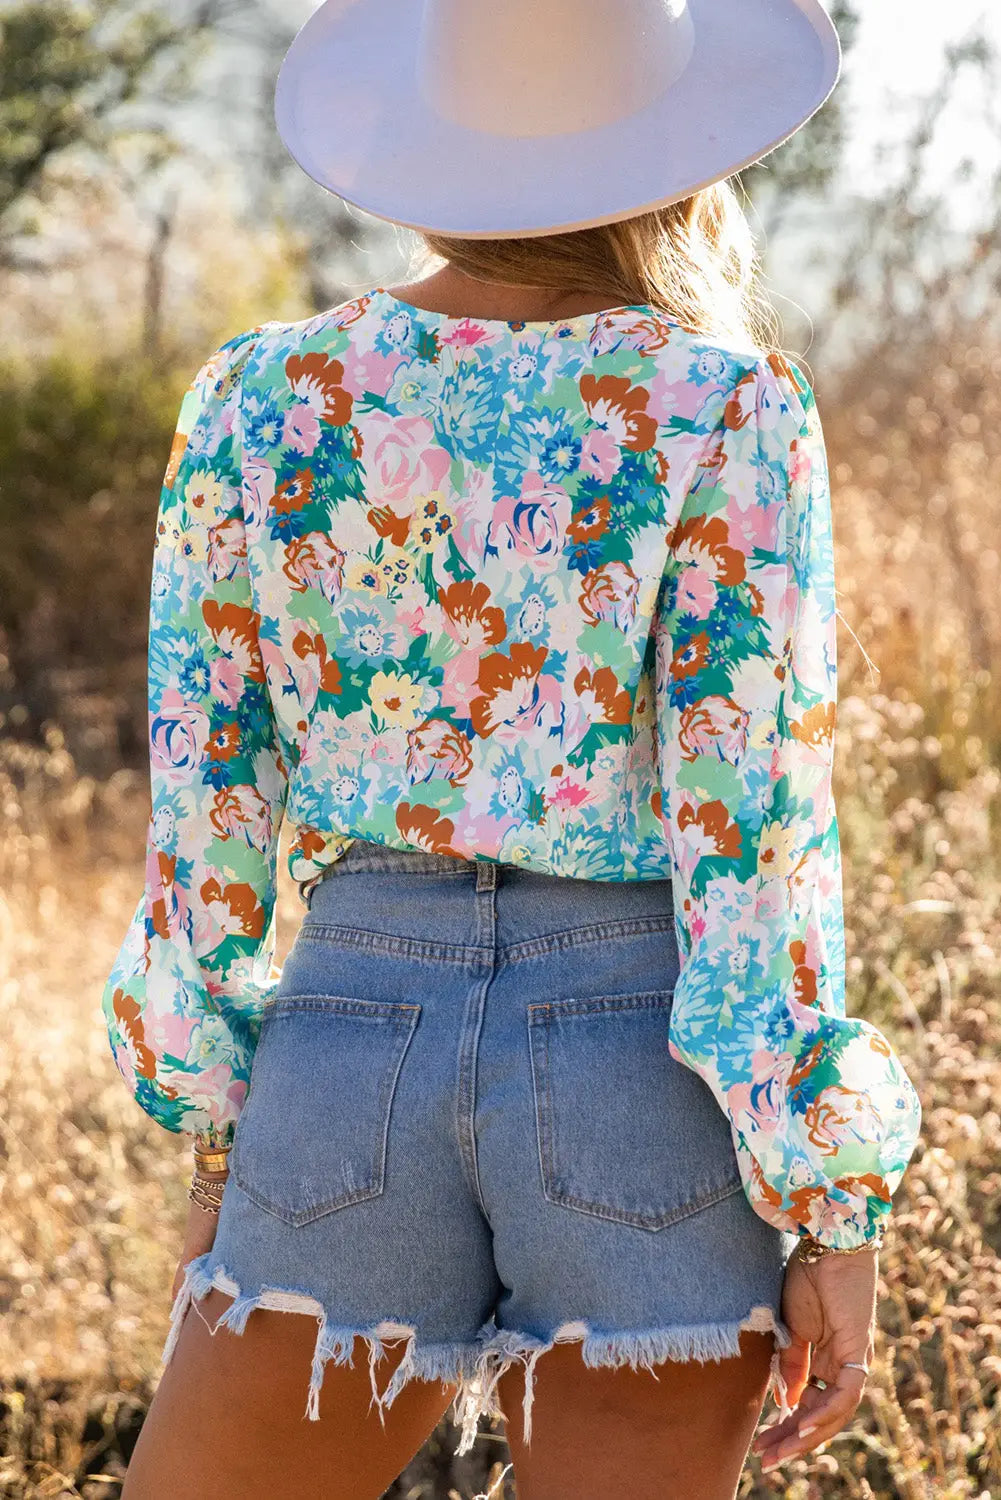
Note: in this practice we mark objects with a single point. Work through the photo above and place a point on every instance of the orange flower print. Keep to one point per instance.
(177, 451)
(306, 645)
(425, 829)
(241, 812)
(316, 379)
(314, 561)
(387, 523)
(690, 657)
(602, 698)
(234, 628)
(721, 833)
(613, 403)
(714, 726)
(223, 743)
(294, 494)
(509, 687)
(610, 593)
(237, 910)
(840, 1117)
(816, 727)
(644, 332)
(590, 521)
(437, 748)
(469, 617)
(739, 407)
(163, 903)
(702, 541)
(129, 1018)
(804, 975)
(307, 842)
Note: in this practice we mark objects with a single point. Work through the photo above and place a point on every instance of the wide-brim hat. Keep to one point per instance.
(487, 118)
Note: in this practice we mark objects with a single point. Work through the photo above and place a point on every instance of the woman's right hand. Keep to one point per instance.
(829, 1308)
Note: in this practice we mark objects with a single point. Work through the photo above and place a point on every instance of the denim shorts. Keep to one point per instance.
(464, 1130)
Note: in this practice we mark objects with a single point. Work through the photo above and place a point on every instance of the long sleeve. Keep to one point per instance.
(184, 998)
(823, 1115)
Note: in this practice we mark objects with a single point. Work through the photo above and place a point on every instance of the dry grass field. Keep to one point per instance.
(92, 1195)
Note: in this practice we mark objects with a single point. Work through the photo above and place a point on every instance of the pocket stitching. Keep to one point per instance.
(379, 1011)
(540, 1019)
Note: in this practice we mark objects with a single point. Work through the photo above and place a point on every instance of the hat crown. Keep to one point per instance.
(546, 67)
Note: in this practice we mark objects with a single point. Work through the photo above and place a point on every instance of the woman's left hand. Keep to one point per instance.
(199, 1236)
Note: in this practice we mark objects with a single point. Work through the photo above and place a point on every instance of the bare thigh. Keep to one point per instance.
(602, 1434)
(227, 1421)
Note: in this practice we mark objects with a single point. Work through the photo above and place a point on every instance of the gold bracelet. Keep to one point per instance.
(810, 1250)
(215, 1159)
(209, 1200)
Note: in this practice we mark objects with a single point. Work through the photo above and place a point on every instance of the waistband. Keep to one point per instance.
(371, 855)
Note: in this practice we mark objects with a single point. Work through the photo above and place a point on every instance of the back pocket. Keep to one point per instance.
(626, 1132)
(312, 1135)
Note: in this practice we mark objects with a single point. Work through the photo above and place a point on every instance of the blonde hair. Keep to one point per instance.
(695, 260)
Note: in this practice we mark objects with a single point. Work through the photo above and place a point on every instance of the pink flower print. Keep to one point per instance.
(225, 681)
(601, 456)
(178, 734)
(696, 593)
(762, 1103)
(466, 334)
(532, 524)
(302, 429)
(402, 460)
(568, 794)
(459, 678)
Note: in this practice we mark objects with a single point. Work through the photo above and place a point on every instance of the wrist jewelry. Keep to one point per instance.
(211, 1158)
(206, 1193)
(810, 1250)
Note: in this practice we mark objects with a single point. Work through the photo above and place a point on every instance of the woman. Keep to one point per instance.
(511, 591)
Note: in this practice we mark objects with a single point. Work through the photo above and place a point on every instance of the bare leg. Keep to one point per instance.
(227, 1421)
(602, 1434)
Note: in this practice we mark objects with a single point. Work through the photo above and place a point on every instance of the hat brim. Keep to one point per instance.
(348, 109)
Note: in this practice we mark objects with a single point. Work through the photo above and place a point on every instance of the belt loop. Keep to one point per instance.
(486, 875)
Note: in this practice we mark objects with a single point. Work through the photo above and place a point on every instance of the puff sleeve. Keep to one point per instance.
(185, 995)
(823, 1115)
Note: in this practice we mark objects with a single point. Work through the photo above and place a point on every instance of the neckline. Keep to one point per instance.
(578, 321)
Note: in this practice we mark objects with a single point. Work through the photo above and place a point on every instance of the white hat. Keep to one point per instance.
(489, 118)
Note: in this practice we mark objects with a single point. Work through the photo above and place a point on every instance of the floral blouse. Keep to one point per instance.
(558, 594)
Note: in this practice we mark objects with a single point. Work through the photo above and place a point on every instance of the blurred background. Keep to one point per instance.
(147, 212)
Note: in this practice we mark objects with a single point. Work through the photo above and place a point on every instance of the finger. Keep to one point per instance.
(816, 1421)
(771, 1438)
(793, 1368)
(836, 1404)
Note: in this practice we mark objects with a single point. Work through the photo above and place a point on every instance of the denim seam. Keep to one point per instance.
(394, 945)
(574, 937)
(406, 1026)
(472, 1026)
(545, 1119)
(540, 1011)
(649, 1223)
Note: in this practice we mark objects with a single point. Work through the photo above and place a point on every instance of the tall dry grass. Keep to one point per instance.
(92, 1194)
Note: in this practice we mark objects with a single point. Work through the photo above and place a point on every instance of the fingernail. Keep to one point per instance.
(807, 1428)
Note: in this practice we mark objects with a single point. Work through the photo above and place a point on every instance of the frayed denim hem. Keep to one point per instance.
(475, 1368)
(640, 1351)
